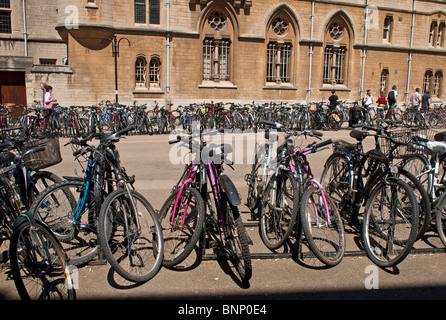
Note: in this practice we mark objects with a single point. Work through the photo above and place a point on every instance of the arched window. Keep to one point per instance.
(387, 29)
(217, 47)
(279, 49)
(140, 72)
(427, 81)
(154, 73)
(384, 81)
(337, 41)
(436, 86)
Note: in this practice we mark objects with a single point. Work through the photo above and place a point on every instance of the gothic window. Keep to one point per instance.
(140, 72)
(440, 35)
(387, 29)
(384, 81)
(427, 81)
(217, 21)
(436, 86)
(433, 33)
(216, 54)
(154, 72)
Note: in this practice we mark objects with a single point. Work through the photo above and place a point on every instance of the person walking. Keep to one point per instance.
(391, 103)
(415, 99)
(425, 101)
(381, 105)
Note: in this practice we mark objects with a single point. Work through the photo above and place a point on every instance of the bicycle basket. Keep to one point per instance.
(404, 135)
(46, 158)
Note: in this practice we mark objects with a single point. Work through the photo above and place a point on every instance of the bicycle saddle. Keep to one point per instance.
(358, 135)
(436, 147)
(441, 136)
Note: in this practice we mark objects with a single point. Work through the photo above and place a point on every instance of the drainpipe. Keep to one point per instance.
(25, 29)
(412, 26)
(361, 90)
(310, 53)
(168, 44)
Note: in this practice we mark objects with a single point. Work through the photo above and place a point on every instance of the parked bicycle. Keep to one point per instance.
(205, 200)
(391, 217)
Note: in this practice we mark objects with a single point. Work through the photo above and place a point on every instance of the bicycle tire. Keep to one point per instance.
(324, 233)
(424, 203)
(42, 180)
(55, 207)
(180, 239)
(237, 238)
(278, 216)
(38, 264)
(440, 220)
(385, 242)
(335, 178)
(135, 255)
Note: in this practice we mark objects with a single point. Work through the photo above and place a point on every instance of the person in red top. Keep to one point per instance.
(381, 104)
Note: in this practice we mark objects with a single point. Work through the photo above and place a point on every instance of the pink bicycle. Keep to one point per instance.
(205, 200)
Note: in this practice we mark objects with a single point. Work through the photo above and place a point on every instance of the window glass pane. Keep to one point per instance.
(154, 11)
(5, 4)
(5, 22)
(140, 11)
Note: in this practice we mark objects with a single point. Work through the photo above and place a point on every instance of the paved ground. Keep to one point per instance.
(420, 276)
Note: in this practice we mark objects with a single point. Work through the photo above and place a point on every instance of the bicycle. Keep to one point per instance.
(38, 263)
(318, 216)
(71, 208)
(205, 202)
(429, 168)
(129, 230)
(391, 216)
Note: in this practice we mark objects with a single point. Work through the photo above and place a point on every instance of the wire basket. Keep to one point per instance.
(404, 135)
(46, 158)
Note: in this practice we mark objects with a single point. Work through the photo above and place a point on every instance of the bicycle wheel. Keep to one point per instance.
(390, 223)
(279, 208)
(322, 226)
(39, 265)
(181, 233)
(41, 180)
(335, 178)
(255, 177)
(71, 215)
(422, 197)
(132, 243)
(237, 243)
(440, 220)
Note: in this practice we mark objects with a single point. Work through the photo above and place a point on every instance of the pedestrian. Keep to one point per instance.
(415, 99)
(367, 100)
(381, 105)
(333, 100)
(391, 103)
(426, 101)
(43, 87)
(47, 106)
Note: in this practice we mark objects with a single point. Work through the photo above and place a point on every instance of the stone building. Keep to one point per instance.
(183, 51)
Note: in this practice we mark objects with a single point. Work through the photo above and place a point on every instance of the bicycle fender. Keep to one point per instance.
(230, 190)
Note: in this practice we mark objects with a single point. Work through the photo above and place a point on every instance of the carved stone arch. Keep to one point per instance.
(227, 11)
(341, 18)
(285, 12)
